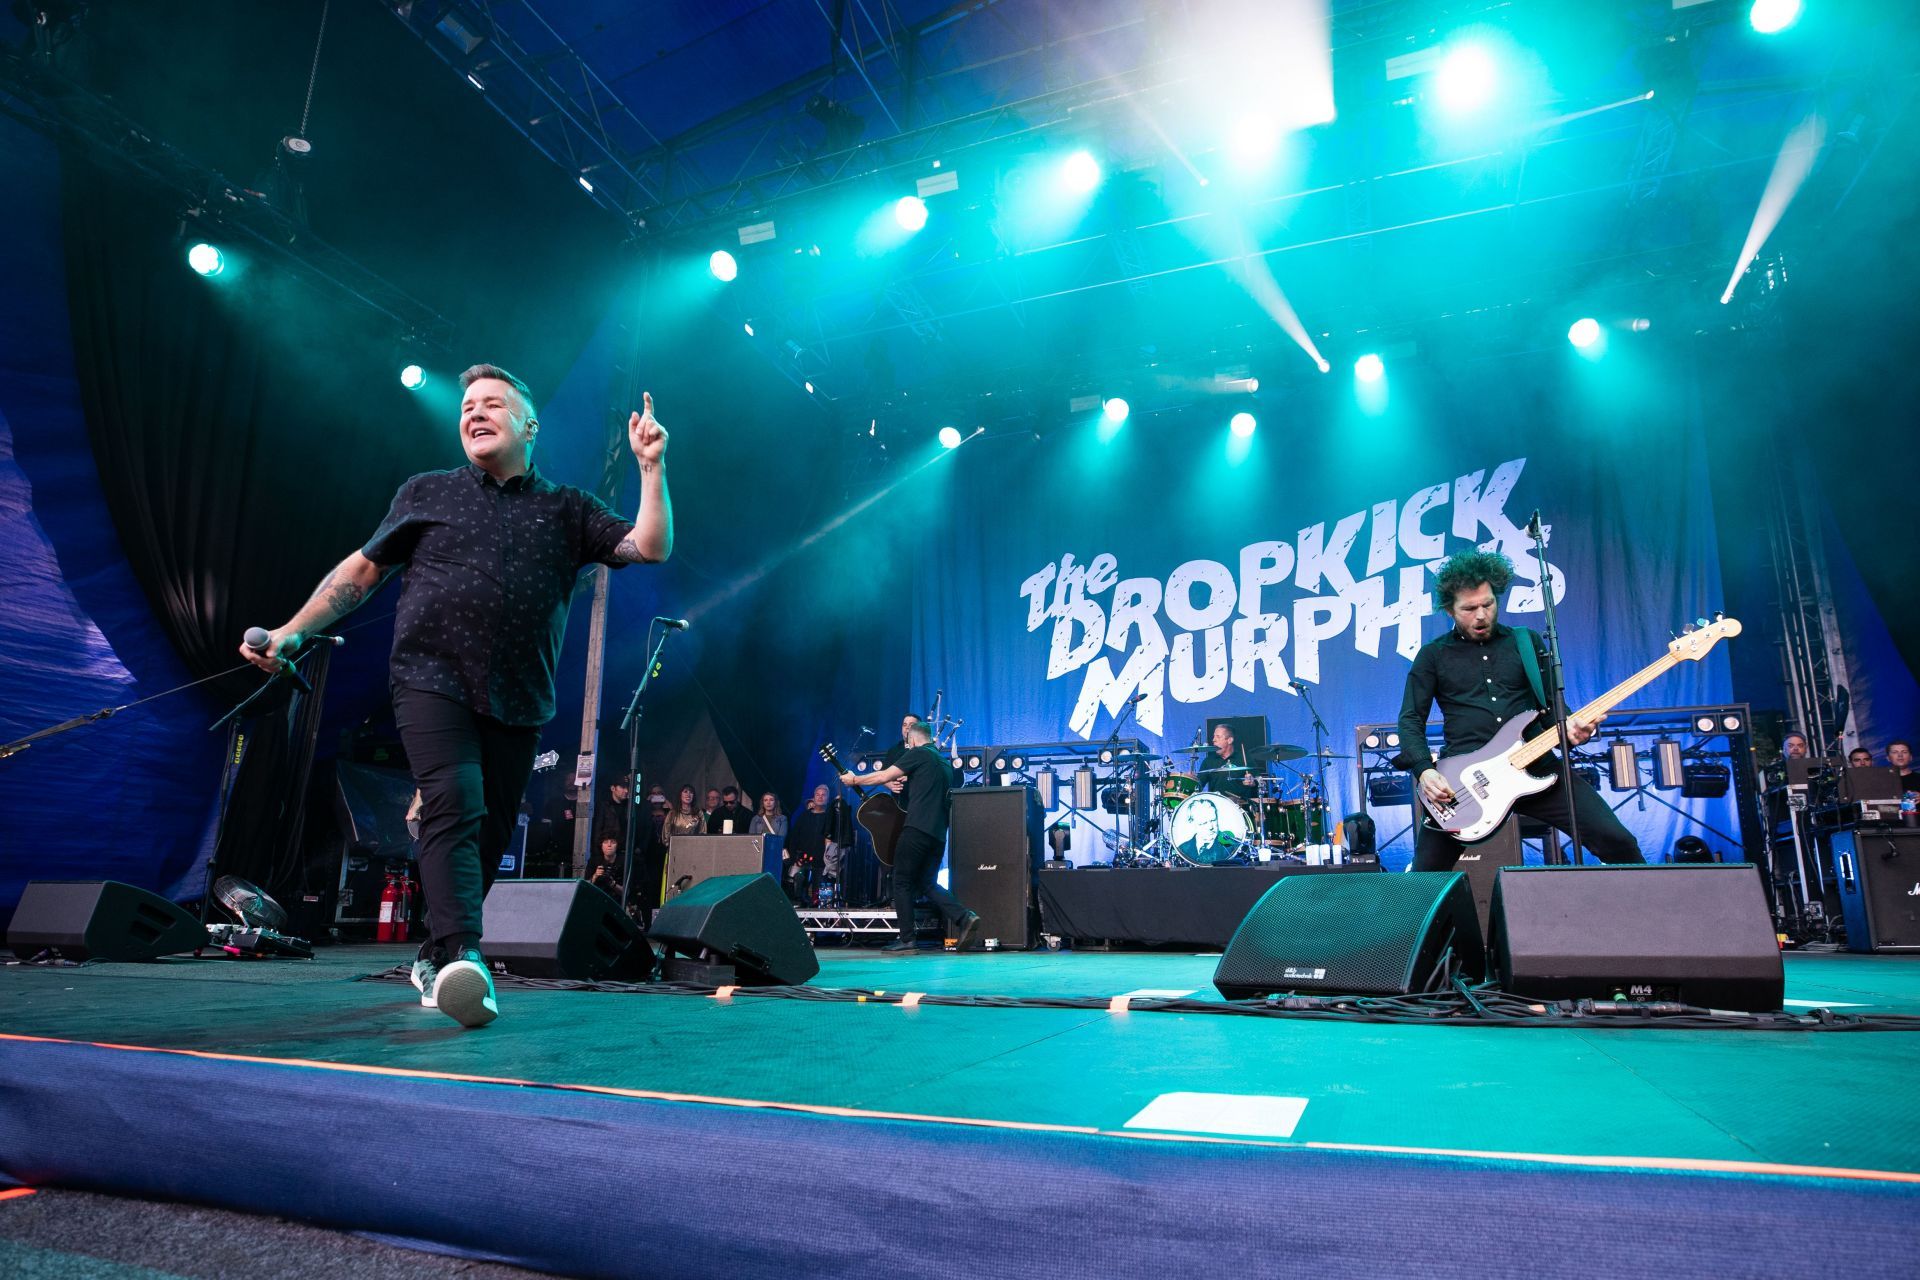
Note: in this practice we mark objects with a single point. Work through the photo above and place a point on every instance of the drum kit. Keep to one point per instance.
(1239, 813)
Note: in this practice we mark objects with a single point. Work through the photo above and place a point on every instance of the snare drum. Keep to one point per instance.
(1208, 828)
(1177, 787)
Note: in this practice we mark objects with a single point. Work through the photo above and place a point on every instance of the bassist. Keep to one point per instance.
(1477, 673)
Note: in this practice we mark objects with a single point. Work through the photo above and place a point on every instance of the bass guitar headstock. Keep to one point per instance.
(1694, 641)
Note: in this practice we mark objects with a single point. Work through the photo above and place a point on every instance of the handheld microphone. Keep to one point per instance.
(674, 624)
(258, 638)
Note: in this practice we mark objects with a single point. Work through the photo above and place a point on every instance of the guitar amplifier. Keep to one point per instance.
(992, 859)
(1878, 872)
(694, 858)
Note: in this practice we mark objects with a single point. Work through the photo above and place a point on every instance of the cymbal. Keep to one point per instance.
(1193, 750)
(1277, 751)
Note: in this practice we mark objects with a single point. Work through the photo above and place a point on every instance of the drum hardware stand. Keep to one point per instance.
(1556, 692)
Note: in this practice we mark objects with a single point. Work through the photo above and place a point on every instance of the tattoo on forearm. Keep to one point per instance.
(341, 597)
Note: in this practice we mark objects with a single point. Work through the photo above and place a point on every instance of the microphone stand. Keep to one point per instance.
(1556, 689)
(630, 725)
(1320, 763)
(1134, 820)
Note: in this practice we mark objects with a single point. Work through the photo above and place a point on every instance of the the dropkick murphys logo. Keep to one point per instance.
(1245, 626)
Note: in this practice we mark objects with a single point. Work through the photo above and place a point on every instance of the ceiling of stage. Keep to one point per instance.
(1280, 179)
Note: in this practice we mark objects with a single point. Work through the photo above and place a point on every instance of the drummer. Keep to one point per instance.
(1225, 768)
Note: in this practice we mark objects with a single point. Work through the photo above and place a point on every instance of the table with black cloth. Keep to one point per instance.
(1201, 906)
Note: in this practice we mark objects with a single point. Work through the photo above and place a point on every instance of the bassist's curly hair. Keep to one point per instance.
(1468, 570)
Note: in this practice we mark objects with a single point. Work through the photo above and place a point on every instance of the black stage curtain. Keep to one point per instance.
(215, 417)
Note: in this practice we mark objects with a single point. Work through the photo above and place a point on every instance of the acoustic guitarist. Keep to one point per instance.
(1482, 680)
(916, 858)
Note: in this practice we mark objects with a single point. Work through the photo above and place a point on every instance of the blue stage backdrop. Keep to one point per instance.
(1169, 560)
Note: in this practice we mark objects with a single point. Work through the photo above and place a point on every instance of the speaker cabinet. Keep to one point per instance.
(1354, 935)
(1878, 871)
(1482, 863)
(100, 920)
(1698, 933)
(745, 921)
(560, 929)
(992, 858)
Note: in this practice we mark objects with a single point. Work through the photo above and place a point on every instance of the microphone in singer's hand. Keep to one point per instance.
(258, 638)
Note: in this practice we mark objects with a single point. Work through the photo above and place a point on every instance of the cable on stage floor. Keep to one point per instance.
(1476, 1005)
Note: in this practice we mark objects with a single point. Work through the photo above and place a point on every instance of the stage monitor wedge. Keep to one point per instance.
(561, 929)
(100, 920)
(1696, 933)
(1354, 935)
(744, 921)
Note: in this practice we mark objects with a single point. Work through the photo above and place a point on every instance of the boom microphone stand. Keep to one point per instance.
(1319, 764)
(1556, 690)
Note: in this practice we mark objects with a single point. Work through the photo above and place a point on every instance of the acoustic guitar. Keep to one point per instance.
(879, 814)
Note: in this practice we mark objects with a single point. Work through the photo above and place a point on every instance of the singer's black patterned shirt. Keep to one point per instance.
(489, 577)
(1480, 687)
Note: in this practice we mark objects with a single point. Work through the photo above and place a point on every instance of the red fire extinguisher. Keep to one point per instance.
(403, 907)
(388, 929)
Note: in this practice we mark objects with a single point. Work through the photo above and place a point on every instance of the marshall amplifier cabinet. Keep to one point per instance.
(1878, 871)
(992, 858)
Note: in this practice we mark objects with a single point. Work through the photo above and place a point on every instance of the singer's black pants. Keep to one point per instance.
(916, 861)
(471, 770)
(1600, 829)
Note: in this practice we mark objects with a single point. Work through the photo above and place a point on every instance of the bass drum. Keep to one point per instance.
(1208, 828)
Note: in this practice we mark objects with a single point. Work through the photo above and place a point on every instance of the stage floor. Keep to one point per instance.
(1616, 1096)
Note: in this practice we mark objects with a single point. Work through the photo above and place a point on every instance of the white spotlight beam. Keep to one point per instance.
(1790, 170)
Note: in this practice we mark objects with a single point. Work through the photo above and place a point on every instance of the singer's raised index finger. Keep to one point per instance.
(646, 403)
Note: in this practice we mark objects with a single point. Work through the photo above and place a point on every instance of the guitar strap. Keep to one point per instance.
(1530, 660)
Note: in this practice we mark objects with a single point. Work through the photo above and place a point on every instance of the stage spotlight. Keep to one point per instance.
(974, 760)
(1731, 723)
(1369, 368)
(206, 259)
(722, 265)
(1017, 763)
(1242, 424)
(1466, 78)
(956, 760)
(1623, 766)
(1254, 141)
(1703, 723)
(1393, 738)
(1080, 171)
(748, 326)
(1116, 410)
(1106, 755)
(808, 386)
(1372, 741)
(413, 377)
(1771, 16)
(950, 437)
(910, 212)
(1001, 762)
(1669, 765)
(1584, 332)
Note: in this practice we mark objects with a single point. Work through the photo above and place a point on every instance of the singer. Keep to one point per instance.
(490, 552)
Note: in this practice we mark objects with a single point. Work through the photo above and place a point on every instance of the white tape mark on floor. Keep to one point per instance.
(1821, 1004)
(1248, 1115)
(1157, 993)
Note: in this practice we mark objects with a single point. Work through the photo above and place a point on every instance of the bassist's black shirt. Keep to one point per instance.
(1480, 689)
(929, 794)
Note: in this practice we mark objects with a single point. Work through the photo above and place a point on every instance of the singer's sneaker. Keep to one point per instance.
(464, 990)
(424, 971)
